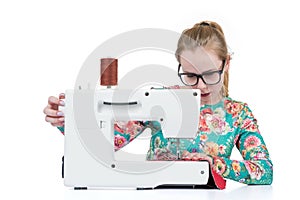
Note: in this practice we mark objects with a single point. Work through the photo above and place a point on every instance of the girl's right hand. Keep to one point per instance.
(53, 115)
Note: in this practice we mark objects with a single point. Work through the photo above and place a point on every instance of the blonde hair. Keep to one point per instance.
(207, 34)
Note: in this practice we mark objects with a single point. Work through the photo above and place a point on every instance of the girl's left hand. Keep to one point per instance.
(196, 156)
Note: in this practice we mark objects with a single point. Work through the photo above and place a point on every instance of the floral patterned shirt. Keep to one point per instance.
(222, 126)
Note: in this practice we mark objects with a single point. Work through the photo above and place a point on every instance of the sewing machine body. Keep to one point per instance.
(89, 159)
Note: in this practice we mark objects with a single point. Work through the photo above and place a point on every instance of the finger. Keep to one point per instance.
(61, 96)
(185, 153)
(187, 156)
(61, 99)
(53, 113)
(50, 112)
(196, 157)
(58, 124)
(54, 120)
(53, 100)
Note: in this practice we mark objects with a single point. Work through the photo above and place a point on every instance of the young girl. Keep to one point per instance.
(224, 123)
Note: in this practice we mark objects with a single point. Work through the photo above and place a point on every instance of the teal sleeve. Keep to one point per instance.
(61, 129)
(129, 131)
(257, 167)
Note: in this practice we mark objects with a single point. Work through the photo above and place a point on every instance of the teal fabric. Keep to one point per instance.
(227, 124)
(61, 129)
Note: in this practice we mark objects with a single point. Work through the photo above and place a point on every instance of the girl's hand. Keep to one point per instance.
(195, 156)
(53, 115)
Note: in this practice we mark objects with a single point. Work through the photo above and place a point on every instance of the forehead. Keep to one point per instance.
(199, 60)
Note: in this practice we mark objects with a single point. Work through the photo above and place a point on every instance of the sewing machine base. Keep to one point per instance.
(205, 179)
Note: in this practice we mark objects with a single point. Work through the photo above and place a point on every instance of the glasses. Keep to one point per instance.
(209, 78)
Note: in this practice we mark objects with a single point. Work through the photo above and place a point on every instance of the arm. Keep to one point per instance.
(256, 168)
(125, 132)
(61, 129)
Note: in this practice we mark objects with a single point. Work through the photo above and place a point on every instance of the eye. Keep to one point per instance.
(190, 75)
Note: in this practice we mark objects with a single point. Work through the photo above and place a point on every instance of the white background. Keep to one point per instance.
(44, 43)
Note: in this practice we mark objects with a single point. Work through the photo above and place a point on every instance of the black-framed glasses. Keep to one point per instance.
(209, 78)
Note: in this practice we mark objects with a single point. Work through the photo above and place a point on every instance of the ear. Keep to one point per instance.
(227, 64)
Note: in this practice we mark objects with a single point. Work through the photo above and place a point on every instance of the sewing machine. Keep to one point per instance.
(90, 160)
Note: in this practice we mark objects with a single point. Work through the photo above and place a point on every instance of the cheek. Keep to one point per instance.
(216, 88)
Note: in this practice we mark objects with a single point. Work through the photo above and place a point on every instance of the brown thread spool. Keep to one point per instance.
(109, 71)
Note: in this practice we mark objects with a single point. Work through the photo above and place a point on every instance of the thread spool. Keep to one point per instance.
(109, 72)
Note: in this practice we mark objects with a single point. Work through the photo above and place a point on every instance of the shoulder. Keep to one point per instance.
(236, 107)
(228, 101)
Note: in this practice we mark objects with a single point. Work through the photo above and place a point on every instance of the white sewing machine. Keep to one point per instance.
(90, 160)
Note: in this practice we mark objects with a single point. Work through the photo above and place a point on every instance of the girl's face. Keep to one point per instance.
(199, 61)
